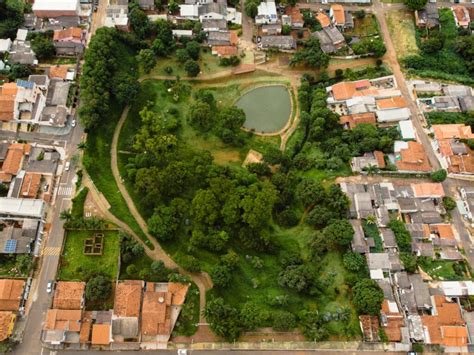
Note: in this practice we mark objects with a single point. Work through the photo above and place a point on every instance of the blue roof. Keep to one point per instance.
(25, 84)
(10, 246)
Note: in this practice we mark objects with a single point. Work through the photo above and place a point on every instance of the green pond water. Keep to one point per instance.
(267, 109)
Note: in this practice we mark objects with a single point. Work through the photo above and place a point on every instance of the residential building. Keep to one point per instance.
(455, 154)
(360, 244)
(225, 51)
(62, 327)
(271, 29)
(330, 39)
(466, 103)
(461, 16)
(209, 25)
(353, 120)
(392, 321)
(5, 45)
(21, 51)
(56, 8)
(393, 115)
(283, 43)
(126, 313)
(323, 19)
(340, 18)
(69, 295)
(70, 41)
(428, 190)
(296, 17)
(117, 15)
(162, 303)
(11, 294)
(411, 157)
(427, 17)
(7, 323)
(220, 38)
(146, 4)
(368, 160)
(21, 207)
(267, 13)
(17, 236)
(407, 130)
(63, 72)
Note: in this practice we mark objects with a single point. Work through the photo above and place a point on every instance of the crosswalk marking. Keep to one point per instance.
(51, 251)
(88, 214)
(65, 191)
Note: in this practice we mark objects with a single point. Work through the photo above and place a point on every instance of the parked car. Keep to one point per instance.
(67, 166)
(49, 288)
(73, 123)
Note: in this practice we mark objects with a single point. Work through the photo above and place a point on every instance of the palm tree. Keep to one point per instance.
(66, 215)
(371, 219)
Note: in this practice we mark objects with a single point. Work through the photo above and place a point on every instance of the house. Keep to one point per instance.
(70, 41)
(17, 236)
(374, 159)
(392, 321)
(209, 25)
(433, 190)
(63, 72)
(445, 326)
(370, 328)
(283, 43)
(296, 17)
(271, 29)
(7, 323)
(126, 314)
(456, 154)
(337, 16)
(427, 17)
(62, 327)
(146, 4)
(266, 13)
(457, 288)
(5, 45)
(189, 11)
(117, 15)
(56, 8)
(8, 108)
(330, 39)
(212, 11)
(219, 38)
(323, 19)
(378, 261)
(388, 238)
(461, 16)
(22, 208)
(101, 335)
(69, 295)
(393, 115)
(466, 103)
(379, 88)
(11, 294)
(21, 51)
(452, 131)
(407, 130)
(411, 157)
(224, 51)
(352, 121)
(421, 292)
(183, 33)
(394, 102)
(162, 303)
(359, 243)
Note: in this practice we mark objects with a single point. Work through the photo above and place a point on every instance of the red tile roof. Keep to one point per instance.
(69, 295)
(11, 292)
(68, 33)
(128, 298)
(413, 158)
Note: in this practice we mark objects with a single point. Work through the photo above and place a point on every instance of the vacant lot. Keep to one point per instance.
(365, 27)
(402, 28)
(77, 266)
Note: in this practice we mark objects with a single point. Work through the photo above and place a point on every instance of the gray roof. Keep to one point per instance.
(363, 205)
(395, 264)
(407, 300)
(45, 167)
(280, 42)
(40, 80)
(22, 53)
(213, 7)
(407, 204)
(359, 243)
(424, 249)
(55, 115)
(58, 92)
(431, 217)
(422, 294)
(386, 288)
(401, 279)
(3, 150)
(210, 23)
(126, 327)
(466, 103)
(429, 16)
(378, 261)
(21, 207)
(330, 39)
(443, 242)
(388, 238)
(23, 240)
(448, 253)
(218, 38)
(416, 230)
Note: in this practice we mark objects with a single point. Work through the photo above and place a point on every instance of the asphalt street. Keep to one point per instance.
(227, 352)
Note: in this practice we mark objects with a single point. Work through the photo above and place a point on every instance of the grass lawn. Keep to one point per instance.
(7, 266)
(365, 27)
(441, 269)
(208, 63)
(402, 27)
(189, 316)
(77, 210)
(77, 266)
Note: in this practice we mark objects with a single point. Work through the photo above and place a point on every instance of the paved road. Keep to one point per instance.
(232, 352)
(40, 299)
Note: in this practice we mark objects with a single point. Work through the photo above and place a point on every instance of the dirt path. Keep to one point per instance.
(202, 280)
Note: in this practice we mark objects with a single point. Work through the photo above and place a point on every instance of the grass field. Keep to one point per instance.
(402, 28)
(441, 269)
(365, 27)
(75, 266)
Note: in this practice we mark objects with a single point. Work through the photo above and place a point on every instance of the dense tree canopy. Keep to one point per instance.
(98, 288)
(367, 297)
(311, 55)
(415, 4)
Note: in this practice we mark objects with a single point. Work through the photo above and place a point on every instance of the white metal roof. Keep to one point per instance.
(21, 207)
(267, 9)
(393, 115)
(458, 288)
(399, 145)
(188, 10)
(407, 130)
(5, 44)
(21, 34)
(56, 5)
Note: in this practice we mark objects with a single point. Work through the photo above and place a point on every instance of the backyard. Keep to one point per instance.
(76, 266)
(443, 269)
(402, 27)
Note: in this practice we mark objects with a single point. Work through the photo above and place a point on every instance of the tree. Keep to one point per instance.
(159, 270)
(448, 203)
(147, 58)
(283, 321)
(173, 7)
(43, 46)
(131, 270)
(18, 71)
(251, 316)
(182, 55)
(310, 193)
(415, 4)
(11, 17)
(439, 175)
(251, 8)
(285, 30)
(221, 276)
(339, 232)
(402, 236)
(367, 297)
(65, 215)
(370, 45)
(257, 205)
(192, 68)
(409, 262)
(223, 319)
(312, 325)
(231, 117)
(189, 263)
(200, 116)
(193, 49)
(139, 22)
(125, 88)
(354, 262)
(164, 223)
(311, 55)
(319, 217)
(98, 288)
(295, 277)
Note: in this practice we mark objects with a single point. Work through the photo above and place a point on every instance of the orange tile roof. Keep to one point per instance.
(432, 325)
(234, 38)
(128, 297)
(69, 295)
(413, 158)
(7, 101)
(358, 118)
(62, 319)
(179, 292)
(11, 292)
(71, 32)
(101, 334)
(14, 158)
(323, 19)
(461, 164)
(295, 14)
(86, 326)
(346, 90)
(4, 177)
(58, 71)
(454, 336)
(445, 148)
(224, 51)
(443, 230)
(339, 16)
(31, 185)
(462, 15)
(7, 321)
(449, 131)
(391, 102)
(380, 158)
(449, 313)
(428, 189)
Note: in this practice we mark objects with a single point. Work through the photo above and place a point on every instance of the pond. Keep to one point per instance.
(267, 109)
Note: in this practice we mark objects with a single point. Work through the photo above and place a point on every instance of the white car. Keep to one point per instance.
(73, 123)
(182, 351)
(49, 288)
(67, 166)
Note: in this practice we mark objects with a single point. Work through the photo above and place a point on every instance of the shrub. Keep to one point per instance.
(439, 176)
(367, 297)
(283, 321)
(448, 203)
